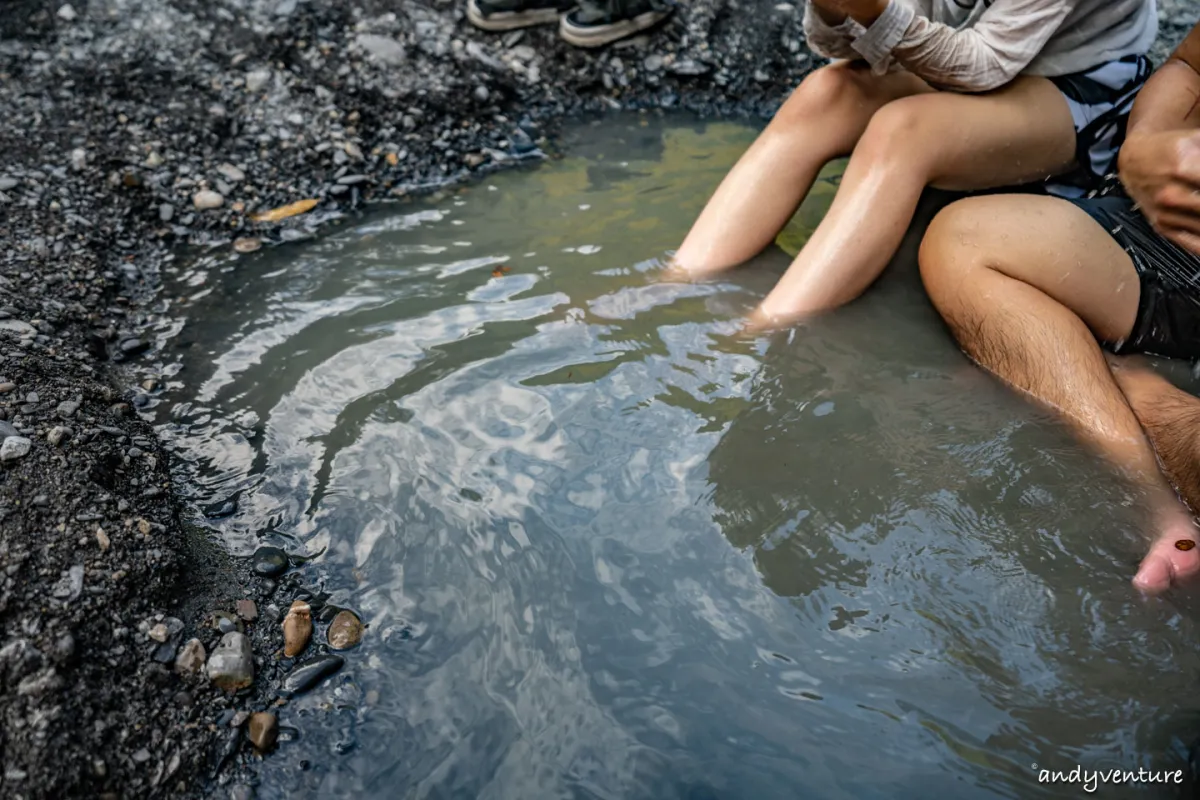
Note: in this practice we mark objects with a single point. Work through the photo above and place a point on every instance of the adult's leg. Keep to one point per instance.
(1171, 418)
(1027, 285)
(821, 121)
(1016, 134)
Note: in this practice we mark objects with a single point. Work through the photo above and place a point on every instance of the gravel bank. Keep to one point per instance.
(132, 127)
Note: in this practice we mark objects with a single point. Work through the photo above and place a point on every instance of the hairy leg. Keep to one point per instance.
(1171, 418)
(1027, 285)
(821, 121)
(1016, 134)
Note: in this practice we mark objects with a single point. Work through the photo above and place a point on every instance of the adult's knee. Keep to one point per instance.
(953, 252)
(820, 93)
(898, 133)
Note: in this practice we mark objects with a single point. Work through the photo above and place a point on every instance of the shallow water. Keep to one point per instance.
(607, 548)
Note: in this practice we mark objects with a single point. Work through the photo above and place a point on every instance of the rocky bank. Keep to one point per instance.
(132, 127)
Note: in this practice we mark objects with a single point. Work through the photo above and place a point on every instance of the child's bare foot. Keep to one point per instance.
(1174, 558)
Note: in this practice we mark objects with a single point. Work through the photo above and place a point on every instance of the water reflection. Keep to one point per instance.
(607, 548)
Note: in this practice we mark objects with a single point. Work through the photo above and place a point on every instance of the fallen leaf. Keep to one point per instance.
(500, 272)
(290, 210)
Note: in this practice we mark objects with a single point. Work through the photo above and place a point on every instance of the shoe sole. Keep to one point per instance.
(600, 35)
(510, 20)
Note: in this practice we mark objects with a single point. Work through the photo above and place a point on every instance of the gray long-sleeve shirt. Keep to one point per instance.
(978, 45)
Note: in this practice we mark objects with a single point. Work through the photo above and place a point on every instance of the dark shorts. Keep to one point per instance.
(1168, 315)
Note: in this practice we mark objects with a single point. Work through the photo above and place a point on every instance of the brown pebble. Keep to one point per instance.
(247, 244)
(1184, 544)
(345, 631)
(264, 731)
(247, 610)
(102, 539)
(297, 628)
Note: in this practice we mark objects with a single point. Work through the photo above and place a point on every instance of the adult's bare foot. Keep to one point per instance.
(1174, 558)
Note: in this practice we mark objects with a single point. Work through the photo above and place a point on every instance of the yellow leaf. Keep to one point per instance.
(290, 210)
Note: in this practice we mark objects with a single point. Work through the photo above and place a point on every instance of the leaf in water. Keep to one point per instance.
(290, 210)
(500, 272)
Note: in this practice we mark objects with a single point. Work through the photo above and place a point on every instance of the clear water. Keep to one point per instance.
(607, 548)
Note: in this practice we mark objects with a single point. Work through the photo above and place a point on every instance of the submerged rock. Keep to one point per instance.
(263, 731)
(231, 666)
(309, 674)
(270, 562)
(297, 628)
(345, 631)
(247, 244)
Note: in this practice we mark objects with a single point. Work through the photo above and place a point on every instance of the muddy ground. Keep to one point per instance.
(132, 127)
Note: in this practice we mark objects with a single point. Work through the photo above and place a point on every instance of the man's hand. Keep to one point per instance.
(1161, 172)
(864, 11)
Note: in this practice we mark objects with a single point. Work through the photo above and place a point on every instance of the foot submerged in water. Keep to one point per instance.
(1174, 558)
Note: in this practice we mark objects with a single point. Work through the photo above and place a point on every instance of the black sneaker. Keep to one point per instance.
(598, 22)
(505, 15)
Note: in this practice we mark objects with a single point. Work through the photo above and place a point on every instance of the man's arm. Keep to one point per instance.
(1160, 160)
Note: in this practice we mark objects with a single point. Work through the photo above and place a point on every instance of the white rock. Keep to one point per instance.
(78, 158)
(231, 172)
(14, 447)
(67, 13)
(17, 326)
(207, 199)
(256, 80)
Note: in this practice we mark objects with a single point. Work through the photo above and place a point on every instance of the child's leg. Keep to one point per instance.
(822, 120)
(1017, 134)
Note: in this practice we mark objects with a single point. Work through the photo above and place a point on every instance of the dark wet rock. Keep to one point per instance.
(133, 346)
(308, 675)
(164, 653)
(231, 666)
(345, 631)
(7, 430)
(270, 561)
(220, 509)
(190, 659)
(263, 731)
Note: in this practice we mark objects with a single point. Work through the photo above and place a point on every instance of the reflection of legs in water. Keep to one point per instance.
(1015, 134)
(822, 120)
(1027, 285)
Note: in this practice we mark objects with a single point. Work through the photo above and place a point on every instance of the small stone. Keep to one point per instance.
(239, 719)
(58, 434)
(226, 625)
(309, 674)
(297, 628)
(103, 540)
(7, 430)
(134, 347)
(270, 561)
(165, 212)
(159, 633)
(247, 244)
(345, 631)
(63, 649)
(67, 13)
(353, 151)
(207, 199)
(653, 63)
(230, 172)
(14, 447)
(263, 731)
(150, 384)
(17, 327)
(153, 160)
(67, 408)
(241, 791)
(70, 584)
(247, 610)
(78, 158)
(190, 659)
(5, 388)
(142, 756)
(481, 94)
(474, 160)
(231, 666)
(382, 48)
(352, 180)
(256, 80)
(164, 653)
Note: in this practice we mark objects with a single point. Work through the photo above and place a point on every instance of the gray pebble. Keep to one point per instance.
(14, 447)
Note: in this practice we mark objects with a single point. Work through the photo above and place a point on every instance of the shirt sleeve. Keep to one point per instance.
(831, 41)
(1008, 36)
